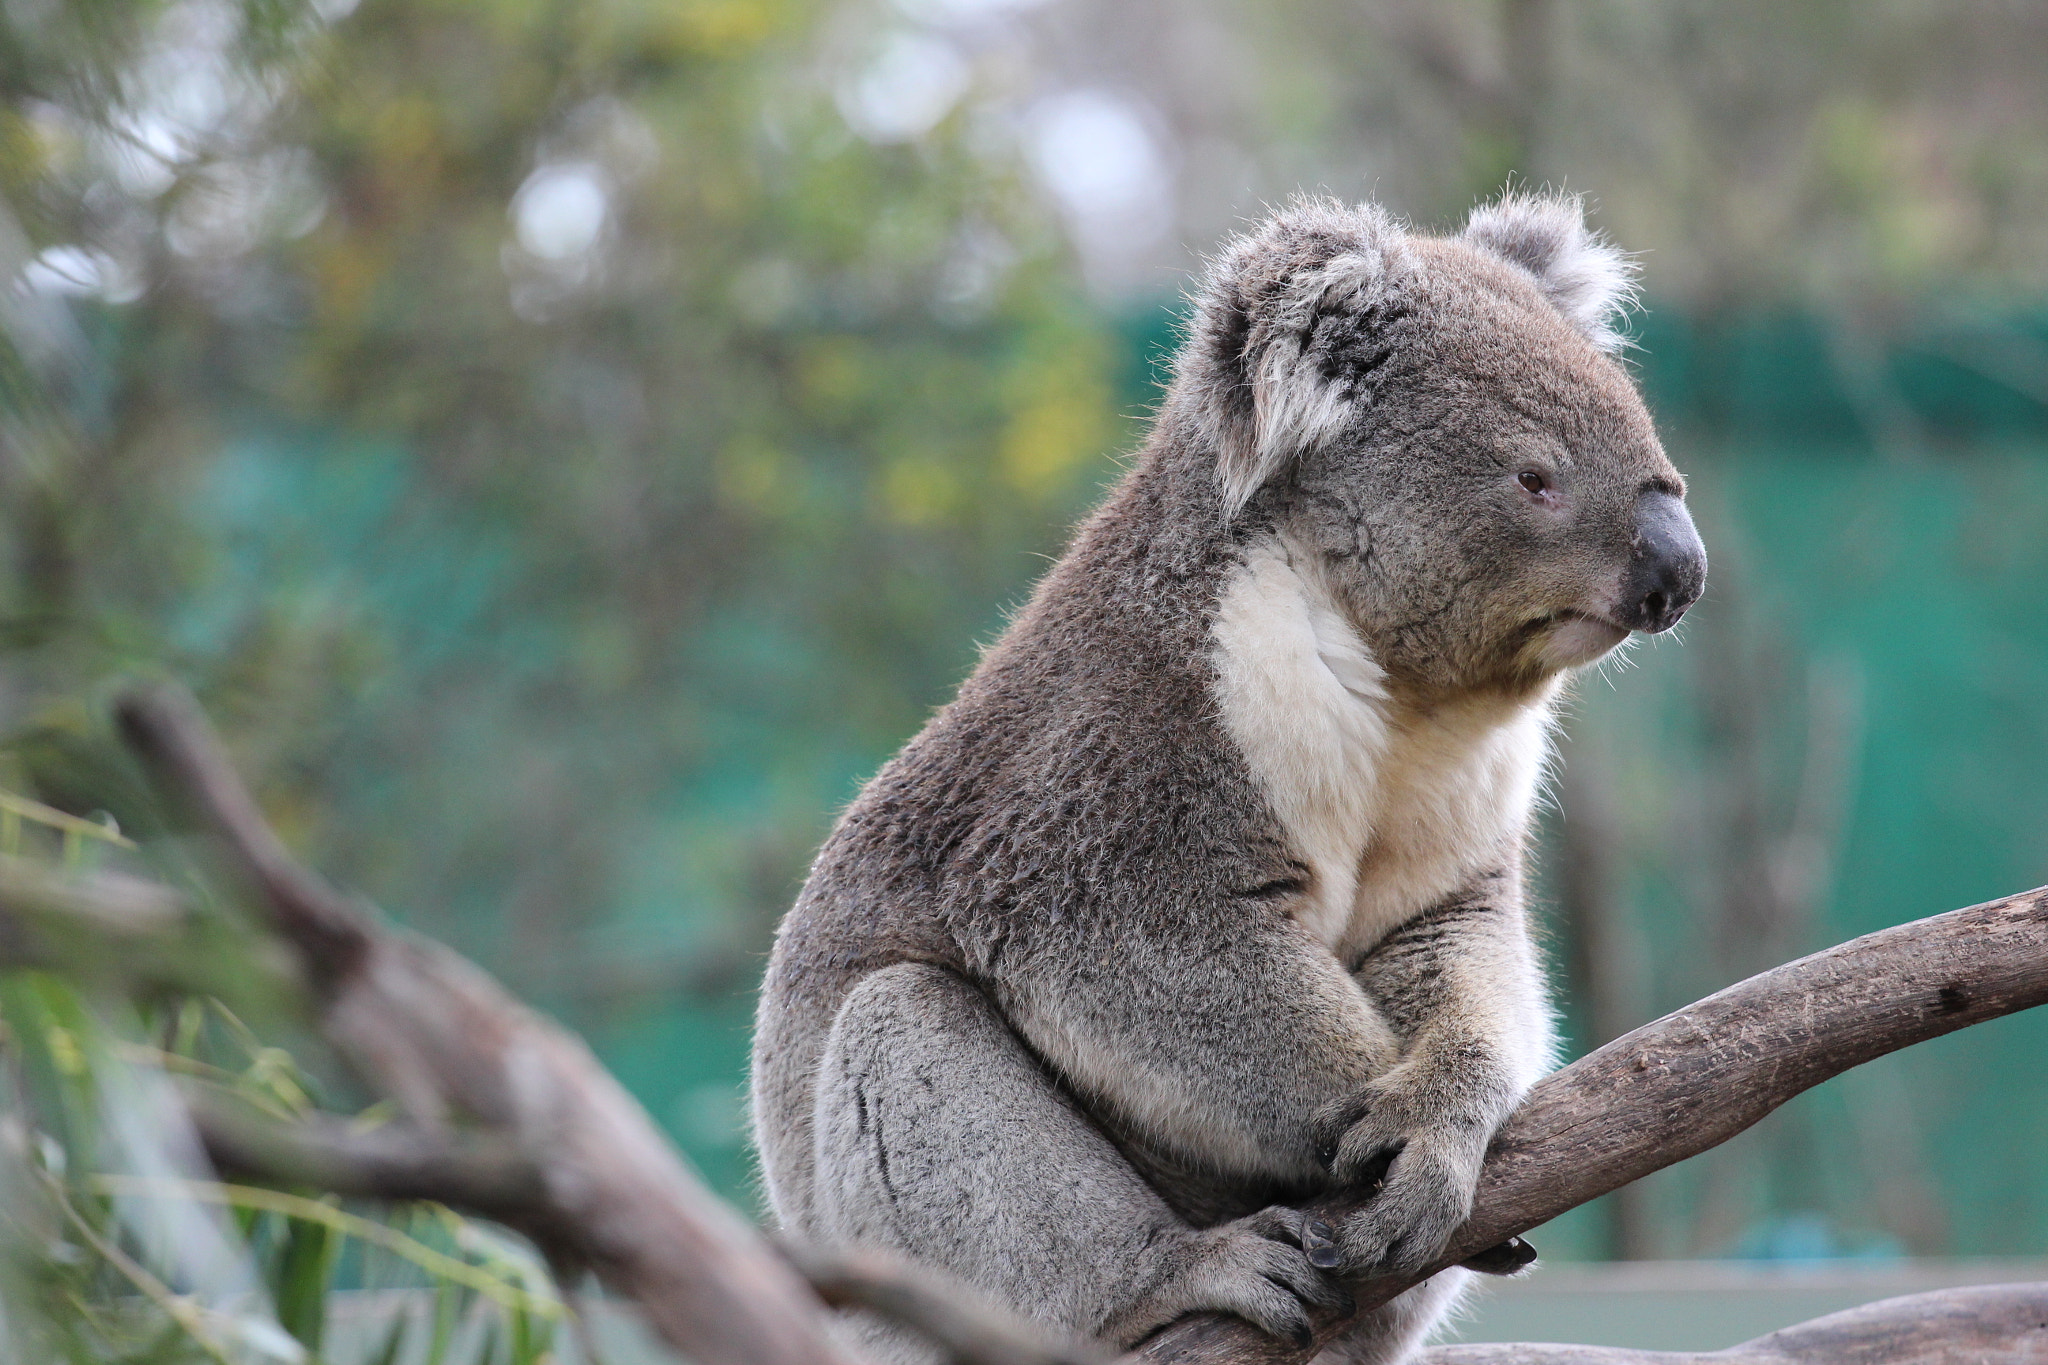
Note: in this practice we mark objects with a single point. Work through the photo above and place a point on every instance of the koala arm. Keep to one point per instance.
(1221, 1036)
(1460, 986)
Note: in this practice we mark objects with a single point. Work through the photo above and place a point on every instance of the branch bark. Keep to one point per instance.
(2003, 1324)
(485, 1173)
(1696, 1078)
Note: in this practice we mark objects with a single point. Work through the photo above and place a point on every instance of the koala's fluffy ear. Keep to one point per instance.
(1287, 332)
(1588, 278)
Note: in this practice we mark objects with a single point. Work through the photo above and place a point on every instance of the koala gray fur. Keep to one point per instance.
(1205, 894)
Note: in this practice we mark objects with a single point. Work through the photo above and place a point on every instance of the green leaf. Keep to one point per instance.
(300, 1278)
(531, 1338)
(447, 1304)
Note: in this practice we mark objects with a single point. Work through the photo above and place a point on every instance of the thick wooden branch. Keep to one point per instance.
(2005, 1324)
(1696, 1078)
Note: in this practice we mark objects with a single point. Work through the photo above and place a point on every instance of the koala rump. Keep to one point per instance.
(1205, 894)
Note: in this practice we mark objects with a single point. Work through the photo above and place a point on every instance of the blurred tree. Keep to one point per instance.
(568, 454)
(1850, 155)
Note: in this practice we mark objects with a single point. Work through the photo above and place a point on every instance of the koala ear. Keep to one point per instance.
(1286, 335)
(1590, 280)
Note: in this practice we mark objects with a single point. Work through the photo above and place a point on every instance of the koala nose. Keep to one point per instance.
(1667, 568)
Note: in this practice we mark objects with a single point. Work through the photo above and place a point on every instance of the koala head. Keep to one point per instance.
(1438, 425)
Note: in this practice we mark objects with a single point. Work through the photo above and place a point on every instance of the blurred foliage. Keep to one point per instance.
(118, 1245)
(561, 453)
(1852, 157)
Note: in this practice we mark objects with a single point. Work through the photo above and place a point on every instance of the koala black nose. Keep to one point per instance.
(1667, 567)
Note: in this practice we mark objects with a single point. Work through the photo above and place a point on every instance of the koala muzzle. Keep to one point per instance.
(1667, 568)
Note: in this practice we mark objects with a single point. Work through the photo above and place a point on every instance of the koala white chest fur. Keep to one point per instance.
(1392, 808)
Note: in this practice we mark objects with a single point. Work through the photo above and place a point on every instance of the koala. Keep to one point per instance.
(1205, 894)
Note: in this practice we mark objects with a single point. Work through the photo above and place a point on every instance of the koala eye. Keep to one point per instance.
(1532, 481)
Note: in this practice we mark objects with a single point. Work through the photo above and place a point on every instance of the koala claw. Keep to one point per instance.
(1507, 1258)
(1319, 1243)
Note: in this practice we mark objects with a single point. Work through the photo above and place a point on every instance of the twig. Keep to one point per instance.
(190, 770)
(111, 928)
(1990, 1325)
(485, 1172)
(1696, 1078)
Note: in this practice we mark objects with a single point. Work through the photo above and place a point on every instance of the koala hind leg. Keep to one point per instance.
(939, 1136)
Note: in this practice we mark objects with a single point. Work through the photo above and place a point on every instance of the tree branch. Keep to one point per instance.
(485, 1174)
(1696, 1078)
(2004, 1324)
(137, 936)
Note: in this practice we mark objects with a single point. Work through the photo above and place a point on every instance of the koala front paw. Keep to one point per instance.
(1424, 1173)
(1263, 1267)
(1425, 1197)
